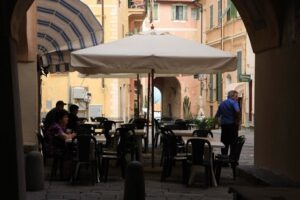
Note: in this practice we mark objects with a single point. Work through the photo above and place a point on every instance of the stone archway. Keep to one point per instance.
(273, 28)
(170, 96)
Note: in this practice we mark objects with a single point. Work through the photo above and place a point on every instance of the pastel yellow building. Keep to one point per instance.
(95, 96)
(225, 30)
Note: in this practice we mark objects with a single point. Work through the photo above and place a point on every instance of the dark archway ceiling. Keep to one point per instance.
(262, 19)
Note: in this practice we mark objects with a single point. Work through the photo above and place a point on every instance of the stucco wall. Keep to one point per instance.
(28, 100)
(277, 132)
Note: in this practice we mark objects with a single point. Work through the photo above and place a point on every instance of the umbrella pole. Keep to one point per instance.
(152, 115)
(138, 95)
(148, 113)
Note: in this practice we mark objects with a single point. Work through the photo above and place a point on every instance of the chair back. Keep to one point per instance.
(200, 150)
(203, 133)
(100, 119)
(169, 142)
(127, 140)
(140, 123)
(85, 147)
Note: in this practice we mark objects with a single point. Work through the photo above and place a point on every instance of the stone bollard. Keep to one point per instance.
(34, 171)
(134, 182)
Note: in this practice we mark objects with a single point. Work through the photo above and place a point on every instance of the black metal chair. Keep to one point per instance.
(199, 153)
(126, 144)
(224, 160)
(107, 127)
(170, 155)
(86, 155)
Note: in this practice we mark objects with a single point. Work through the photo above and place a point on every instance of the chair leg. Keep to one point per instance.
(164, 170)
(218, 173)
(53, 168)
(104, 169)
(192, 175)
(184, 172)
(76, 172)
(233, 171)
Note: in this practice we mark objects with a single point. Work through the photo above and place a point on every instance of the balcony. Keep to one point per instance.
(137, 7)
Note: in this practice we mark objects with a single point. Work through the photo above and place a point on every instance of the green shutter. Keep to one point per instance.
(219, 12)
(211, 19)
(184, 12)
(155, 11)
(219, 87)
(173, 14)
(239, 65)
(233, 11)
(229, 10)
(211, 87)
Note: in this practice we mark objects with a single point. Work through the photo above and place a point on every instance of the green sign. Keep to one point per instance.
(245, 77)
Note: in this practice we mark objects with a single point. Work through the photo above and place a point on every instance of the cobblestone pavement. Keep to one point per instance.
(155, 190)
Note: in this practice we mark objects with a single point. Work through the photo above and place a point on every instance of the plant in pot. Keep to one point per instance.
(205, 126)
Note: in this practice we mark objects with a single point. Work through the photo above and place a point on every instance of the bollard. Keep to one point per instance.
(34, 171)
(134, 182)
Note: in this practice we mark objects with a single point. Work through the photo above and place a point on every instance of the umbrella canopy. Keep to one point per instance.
(160, 51)
(64, 26)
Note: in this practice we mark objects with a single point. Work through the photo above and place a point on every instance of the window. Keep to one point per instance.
(179, 12)
(211, 16)
(195, 13)
(231, 10)
(219, 12)
(239, 65)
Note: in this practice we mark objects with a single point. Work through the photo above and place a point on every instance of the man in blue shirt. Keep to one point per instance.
(229, 115)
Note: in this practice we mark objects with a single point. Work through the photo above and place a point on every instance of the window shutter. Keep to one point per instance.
(239, 65)
(155, 11)
(184, 12)
(173, 14)
(219, 12)
(211, 87)
(211, 16)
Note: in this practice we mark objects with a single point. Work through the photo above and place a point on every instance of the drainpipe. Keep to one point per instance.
(219, 74)
(102, 10)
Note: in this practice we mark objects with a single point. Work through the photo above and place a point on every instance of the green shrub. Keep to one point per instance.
(205, 123)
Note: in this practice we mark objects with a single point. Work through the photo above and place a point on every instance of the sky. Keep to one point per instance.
(157, 95)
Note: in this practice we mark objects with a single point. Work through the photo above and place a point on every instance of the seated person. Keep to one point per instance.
(74, 122)
(56, 135)
(55, 138)
(50, 117)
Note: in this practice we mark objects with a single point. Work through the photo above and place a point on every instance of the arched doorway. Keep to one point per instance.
(170, 96)
(157, 103)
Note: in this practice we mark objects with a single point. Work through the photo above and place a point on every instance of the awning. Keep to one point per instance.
(64, 26)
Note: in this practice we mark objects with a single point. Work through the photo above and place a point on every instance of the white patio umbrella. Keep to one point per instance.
(152, 52)
(160, 51)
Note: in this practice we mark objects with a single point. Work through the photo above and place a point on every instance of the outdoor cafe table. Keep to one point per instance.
(140, 133)
(99, 138)
(183, 132)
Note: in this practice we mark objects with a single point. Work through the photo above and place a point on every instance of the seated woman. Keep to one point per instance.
(55, 138)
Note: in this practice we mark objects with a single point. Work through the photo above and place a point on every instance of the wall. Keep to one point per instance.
(277, 108)
(277, 100)
(29, 101)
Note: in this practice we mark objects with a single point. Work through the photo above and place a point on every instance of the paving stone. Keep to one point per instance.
(171, 189)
